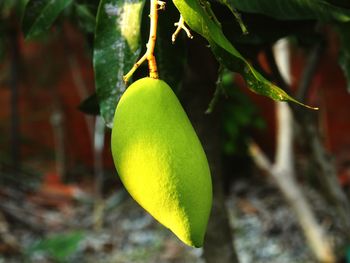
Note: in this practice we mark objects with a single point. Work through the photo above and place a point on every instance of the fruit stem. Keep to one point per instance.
(152, 64)
(134, 68)
(149, 55)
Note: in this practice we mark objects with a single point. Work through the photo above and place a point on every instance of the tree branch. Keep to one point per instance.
(283, 168)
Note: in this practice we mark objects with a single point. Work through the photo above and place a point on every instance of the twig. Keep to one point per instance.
(237, 16)
(152, 65)
(149, 55)
(259, 157)
(218, 91)
(180, 25)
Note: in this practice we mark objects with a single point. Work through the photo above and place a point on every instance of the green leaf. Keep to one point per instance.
(40, 14)
(86, 18)
(116, 49)
(59, 247)
(294, 9)
(200, 18)
(90, 105)
(344, 56)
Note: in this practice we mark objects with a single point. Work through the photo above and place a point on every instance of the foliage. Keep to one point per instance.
(40, 14)
(235, 31)
(120, 25)
(116, 48)
(60, 247)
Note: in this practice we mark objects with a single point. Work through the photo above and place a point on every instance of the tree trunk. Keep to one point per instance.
(15, 127)
(198, 88)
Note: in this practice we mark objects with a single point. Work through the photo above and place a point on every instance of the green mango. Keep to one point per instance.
(160, 159)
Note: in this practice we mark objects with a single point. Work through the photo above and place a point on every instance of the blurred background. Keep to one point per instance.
(62, 201)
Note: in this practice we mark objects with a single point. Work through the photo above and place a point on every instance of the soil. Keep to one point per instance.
(118, 230)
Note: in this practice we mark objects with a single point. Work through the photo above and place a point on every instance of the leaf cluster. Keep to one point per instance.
(236, 30)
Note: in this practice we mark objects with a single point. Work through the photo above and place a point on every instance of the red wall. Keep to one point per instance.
(56, 73)
(47, 70)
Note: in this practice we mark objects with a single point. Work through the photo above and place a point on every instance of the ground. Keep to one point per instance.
(65, 230)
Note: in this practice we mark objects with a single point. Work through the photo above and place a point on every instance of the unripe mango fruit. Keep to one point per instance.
(160, 159)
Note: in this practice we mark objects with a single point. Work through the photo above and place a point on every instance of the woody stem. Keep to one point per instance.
(152, 64)
(149, 55)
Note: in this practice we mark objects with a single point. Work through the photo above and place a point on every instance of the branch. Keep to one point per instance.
(152, 65)
(328, 175)
(180, 26)
(149, 55)
(259, 157)
(283, 168)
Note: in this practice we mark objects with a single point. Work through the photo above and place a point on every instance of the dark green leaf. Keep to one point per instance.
(86, 18)
(344, 56)
(116, 49)
(294, 9)
(198, 16)
(40, 14)
(257, 25)
(90, 105)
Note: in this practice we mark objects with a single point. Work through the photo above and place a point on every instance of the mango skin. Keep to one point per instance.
(160, 159)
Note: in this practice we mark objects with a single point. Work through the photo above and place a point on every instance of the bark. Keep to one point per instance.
(15, 119)
(310, 137)
(328, 174)
(283, 170)
(198, 89)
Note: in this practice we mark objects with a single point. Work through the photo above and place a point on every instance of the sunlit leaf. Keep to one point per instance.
(40, 14)
(116, 49)
(199, 17)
